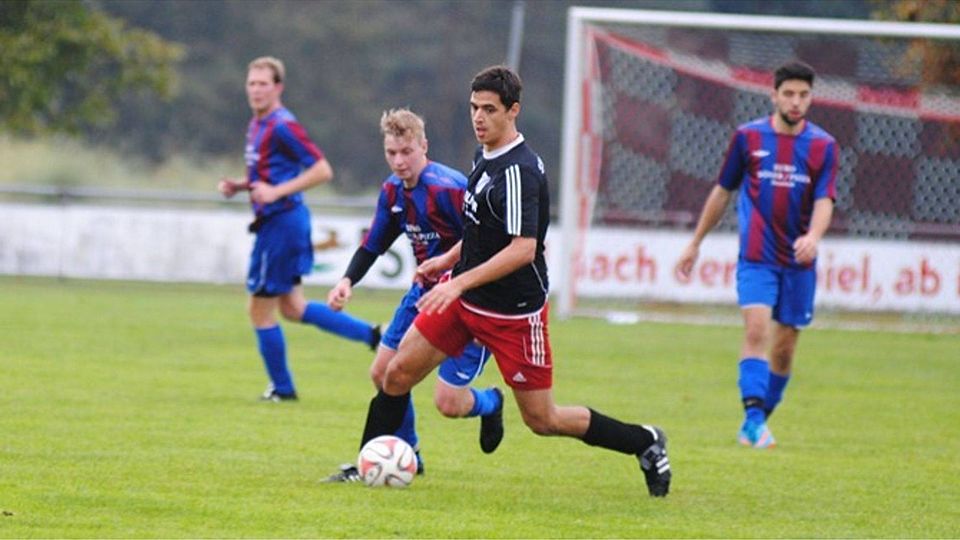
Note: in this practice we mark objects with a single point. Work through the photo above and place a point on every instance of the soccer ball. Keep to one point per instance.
(387, 461)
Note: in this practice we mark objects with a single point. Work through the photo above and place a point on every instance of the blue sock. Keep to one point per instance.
(337, 322)
(408, 430)
(273, 349)
(484, 402)
(754, 378)
(775, 391)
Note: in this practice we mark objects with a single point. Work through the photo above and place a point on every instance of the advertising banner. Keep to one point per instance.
(856, 274)
(213, 246)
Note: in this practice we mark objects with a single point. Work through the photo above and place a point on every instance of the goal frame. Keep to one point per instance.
(574, 206)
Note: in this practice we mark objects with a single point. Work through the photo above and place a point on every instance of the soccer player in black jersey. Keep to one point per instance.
(498, 293)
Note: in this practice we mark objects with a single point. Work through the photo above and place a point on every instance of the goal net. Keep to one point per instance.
(652, 99)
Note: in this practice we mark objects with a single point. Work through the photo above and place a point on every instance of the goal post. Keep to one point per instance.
(652, 97)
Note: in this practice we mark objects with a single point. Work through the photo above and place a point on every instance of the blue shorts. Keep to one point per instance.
(788, 291)
(281, 254)
(459, 371)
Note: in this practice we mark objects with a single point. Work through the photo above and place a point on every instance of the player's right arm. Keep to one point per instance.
(731, 175)
(360, 263)
(382, 233)
(430, 269)
(228, 187)
(521, 205)
(520, 251)
(713, 210)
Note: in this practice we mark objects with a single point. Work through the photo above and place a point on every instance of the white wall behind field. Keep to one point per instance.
(212, 245)
(177, 245)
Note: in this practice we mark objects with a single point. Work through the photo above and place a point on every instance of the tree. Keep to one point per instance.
(63, 65)
(940, 61)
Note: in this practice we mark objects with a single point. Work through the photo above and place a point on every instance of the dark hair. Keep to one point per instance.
(501, 81)
(793, 70)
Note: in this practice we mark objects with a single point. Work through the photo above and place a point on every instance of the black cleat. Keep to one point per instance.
(656, 465)
(348, 473)
(420, 469)
(271, 394)
(375, 335)
(491, 428)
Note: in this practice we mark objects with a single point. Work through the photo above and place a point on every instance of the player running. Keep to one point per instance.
(422, 199)
(498, 294)
(282, 163)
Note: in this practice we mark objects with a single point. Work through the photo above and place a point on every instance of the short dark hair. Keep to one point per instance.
(500, 80)
(793, 70)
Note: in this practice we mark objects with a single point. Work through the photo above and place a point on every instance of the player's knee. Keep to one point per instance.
(755, 335)
(376, 376)
(396, 381)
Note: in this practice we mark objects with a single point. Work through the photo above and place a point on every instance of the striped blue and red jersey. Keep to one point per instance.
(277, 149)
(429, 213)
(779, 177)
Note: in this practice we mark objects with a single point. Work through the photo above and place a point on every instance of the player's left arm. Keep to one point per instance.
(805, 247)
(431, 269)
(317, 171)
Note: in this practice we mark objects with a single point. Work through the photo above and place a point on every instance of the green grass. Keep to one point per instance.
(58, 161)
(129, 410)
(66, 162)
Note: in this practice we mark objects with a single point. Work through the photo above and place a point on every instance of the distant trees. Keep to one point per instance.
(346, 62)
(63, 65)
(163, 78)
(940, 60)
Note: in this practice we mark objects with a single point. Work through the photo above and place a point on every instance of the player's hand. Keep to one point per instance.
(340, 294)
(688, 258)
(440, 297)
(430, 270)
(805, 249)
(263, 193)
(228, 187)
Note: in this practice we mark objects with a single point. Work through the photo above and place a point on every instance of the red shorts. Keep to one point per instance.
(520, 343)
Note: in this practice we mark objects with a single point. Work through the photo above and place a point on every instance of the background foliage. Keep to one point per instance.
(63, 66)
(347, 61)
(158, 79)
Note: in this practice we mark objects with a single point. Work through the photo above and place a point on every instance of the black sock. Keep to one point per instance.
(613, 434)
(385, 415)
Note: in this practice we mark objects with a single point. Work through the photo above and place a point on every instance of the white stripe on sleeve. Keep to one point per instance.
(514, 201)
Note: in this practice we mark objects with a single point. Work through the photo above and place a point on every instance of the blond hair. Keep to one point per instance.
(271, 63)
(403, 123)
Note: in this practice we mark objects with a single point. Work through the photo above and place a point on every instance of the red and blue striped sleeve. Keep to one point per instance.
(734, 164)
(445, 207)
(826, 181)
(297, 144)
(384, 230)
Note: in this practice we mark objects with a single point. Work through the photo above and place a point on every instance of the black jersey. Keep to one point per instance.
(507, 196)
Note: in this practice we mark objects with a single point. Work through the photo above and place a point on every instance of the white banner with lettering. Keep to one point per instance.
(868, 275)
(213, 246)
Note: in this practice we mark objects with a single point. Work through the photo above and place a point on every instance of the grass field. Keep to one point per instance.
(129, 410)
